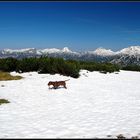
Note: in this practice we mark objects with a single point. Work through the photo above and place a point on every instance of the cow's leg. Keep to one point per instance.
(65, 86)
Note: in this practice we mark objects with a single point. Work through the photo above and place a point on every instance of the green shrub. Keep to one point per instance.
(27, 65)
(3, 101)
(8, 64)
(58, 65)
(102, 67)
(131, 68)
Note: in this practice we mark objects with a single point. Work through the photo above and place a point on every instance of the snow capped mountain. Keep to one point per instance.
(102, 52)
(66, 50)
(133, 50)
(10, 51)
(48, 51)
(39, 51)
(130, 55)
(54, 50)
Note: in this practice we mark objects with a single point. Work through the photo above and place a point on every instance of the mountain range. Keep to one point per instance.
(126, 56)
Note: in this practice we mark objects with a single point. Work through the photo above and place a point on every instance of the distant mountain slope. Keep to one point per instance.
(126, 56)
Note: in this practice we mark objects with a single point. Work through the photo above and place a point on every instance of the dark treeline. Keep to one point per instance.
(54, 65)
(102, 67)
(131, 68)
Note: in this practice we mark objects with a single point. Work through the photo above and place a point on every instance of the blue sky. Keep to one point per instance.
(77, 25)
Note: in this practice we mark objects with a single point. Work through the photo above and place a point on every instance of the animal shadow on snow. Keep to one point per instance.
(60, 87)
(50, 88)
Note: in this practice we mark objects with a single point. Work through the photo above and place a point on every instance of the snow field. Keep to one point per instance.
(93, 106)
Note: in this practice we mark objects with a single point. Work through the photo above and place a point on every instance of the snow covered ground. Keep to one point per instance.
(93, 106)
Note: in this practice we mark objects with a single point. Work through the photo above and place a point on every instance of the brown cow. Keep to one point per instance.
(56, 84)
